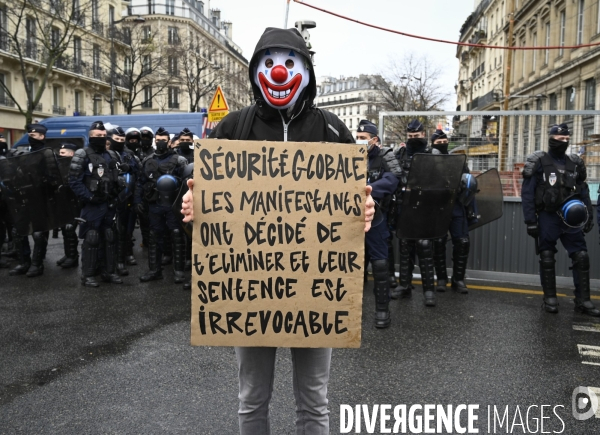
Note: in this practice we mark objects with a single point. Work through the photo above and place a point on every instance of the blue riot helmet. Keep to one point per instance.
(574, 213)
(167, 187)
(467, 189)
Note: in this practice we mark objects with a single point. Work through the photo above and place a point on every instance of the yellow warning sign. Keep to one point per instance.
(218, 107)
(219, 104)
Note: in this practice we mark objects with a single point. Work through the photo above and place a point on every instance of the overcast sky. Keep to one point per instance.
(346, 48)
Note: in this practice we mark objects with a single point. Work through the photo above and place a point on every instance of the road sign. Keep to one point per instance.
(218, 107)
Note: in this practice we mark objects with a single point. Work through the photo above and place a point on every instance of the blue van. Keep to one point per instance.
(75, 129)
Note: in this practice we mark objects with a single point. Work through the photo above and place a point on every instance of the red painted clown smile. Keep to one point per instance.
(280, 95)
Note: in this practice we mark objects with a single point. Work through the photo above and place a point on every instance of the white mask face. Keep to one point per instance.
(281, 76)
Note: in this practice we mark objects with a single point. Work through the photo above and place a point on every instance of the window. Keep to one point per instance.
(173, 97)
(77, 54)
(111, 16)
(95, 17)
(3, 28)
(562, 33)
(127, 65)
(146, 64)
(538, 118)
(580, 22)
(97, 105)
(350, 123)
(526, 130)
(553, 106)
(524, 58)
(55, 37)
(590, 94)
(547, 52)
(598, 17)
(97, 71)
(151, 9)
(56, 95)
(569, 101)
(146, 34)
(147, 103)
(2, 92)
(173, 36)
(30, 43)
(78, 102)
(534, 53)
(173, 69)
(170, 7)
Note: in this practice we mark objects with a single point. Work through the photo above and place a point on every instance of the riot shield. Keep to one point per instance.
(37, 196)
(489, 199)
(429, 195)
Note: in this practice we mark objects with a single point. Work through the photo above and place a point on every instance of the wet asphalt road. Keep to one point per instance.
(117, 360)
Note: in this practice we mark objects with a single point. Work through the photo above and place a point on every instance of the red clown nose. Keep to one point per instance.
(279, 74)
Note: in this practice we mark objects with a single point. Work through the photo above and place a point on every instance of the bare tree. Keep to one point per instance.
(409, 84)
(139, 67)
(37, 33)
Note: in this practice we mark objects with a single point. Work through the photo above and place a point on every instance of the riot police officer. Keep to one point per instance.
(133, 141)
(185, 146)
(462, 216)
(416, 144)
(31, 264)
(94, 177)
(4, 217)
(384, 184)
(69, 231)
(158, 185)
(125, 218)
(556, 205)
(146, 139)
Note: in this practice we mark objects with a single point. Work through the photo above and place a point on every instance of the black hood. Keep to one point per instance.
(292, 40)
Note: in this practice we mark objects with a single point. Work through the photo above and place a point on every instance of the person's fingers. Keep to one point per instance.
(190, 183)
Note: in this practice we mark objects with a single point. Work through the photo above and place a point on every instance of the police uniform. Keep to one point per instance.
(129, 167)
(408, 248)
(158, 185)
(185, 148)
(94, 177)
(69, 232)
(556, 205)
(133, 141)
(384, 184)
(463, 215)
(31, 264)
(4, 216)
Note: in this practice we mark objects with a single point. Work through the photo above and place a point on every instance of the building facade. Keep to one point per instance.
(198, 54)
(350, 98)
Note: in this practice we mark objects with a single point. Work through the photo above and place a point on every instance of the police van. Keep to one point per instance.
(75, 129)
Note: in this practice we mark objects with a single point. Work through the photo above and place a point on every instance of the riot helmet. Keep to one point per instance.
(133, 138)
(574, 213)
(147, 137)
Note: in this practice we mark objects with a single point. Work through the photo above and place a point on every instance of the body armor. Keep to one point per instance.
(155, 169)
(104, 176)
(558, 185)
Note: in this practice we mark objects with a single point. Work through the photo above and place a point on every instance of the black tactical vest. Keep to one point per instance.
(104, 175)
(558, 183)
(153, 170)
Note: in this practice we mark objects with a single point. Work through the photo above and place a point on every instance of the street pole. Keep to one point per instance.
(503, 151)
(287, 12)
(112, 70)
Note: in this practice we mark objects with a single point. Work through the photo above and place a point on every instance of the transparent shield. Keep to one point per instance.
(489, 199)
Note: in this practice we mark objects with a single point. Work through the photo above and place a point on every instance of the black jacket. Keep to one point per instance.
(304, 122)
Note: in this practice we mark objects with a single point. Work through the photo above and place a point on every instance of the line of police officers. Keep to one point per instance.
(131, 180)
(118, 179)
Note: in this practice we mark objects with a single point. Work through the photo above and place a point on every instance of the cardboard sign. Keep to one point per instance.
(218, 107)
(278, 244)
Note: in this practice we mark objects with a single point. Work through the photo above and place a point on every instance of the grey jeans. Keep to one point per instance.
(256, 369)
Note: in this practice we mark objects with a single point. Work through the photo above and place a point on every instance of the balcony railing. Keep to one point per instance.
(175, 40)
(31, 50)
(98, 27)
(97, 73)
(78, 17)
(5, 101)
(4, 41)
(57, 110)
(38, 108)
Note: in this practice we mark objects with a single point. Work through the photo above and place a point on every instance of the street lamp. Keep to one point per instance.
(138, 19)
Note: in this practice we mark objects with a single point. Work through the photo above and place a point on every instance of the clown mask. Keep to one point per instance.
(281, 76)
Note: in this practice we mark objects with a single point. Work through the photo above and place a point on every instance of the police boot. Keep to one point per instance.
(155, 272)
(3, 263)
(121, 242)
(62, 259)
(188, 254)
(70, 240)
(129, 258)
(583, 304)
(187, 286)
(110, 246)
(178, 256)
(40, 242)
(439, 263)
(381, 288)
(425, 253)
(404, 290)
(548, 277)
(89, 258)
(460, 255)
(24, 260)
(167, 257)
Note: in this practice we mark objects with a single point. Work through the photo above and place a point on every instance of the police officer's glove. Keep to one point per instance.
(124, 168)
(533, 230)
(141, 208)
(588, 225)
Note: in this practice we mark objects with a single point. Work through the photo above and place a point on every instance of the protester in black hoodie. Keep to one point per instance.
(284, 87)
